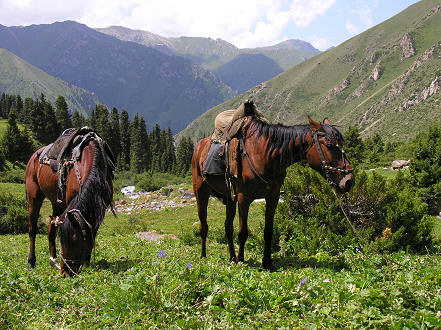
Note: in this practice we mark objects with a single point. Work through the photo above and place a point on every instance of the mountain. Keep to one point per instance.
(19, 77)
(239, 68)
(165, 89)
(385, 80)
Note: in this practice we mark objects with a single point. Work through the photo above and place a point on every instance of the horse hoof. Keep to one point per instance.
(54, 263)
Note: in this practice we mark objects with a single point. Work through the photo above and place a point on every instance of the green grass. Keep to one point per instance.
(130, 285)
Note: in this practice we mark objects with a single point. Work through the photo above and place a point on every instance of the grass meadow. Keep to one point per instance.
(138, 284)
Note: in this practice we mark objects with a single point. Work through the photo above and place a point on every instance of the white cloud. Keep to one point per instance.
(364, 15)
(303, 12)
(351, 28)
(245, 23)
(321, 43)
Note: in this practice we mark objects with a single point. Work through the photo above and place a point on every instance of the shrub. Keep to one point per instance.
(425, 167)
(310, 219)
(150, 182)
(13, 175)
(14, 215)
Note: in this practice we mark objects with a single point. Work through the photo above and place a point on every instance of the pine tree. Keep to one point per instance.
(124, 129)
(62, 115)
(155, 143)
(16, 146)
(135, 146)
(114, 140)
(78, 120)
(184, 155)
(145, 145)
(51, 128)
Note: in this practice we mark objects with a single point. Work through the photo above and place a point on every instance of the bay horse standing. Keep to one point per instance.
(88, 192)
(267, 150)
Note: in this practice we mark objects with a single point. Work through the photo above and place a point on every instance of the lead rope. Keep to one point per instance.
(359, 238)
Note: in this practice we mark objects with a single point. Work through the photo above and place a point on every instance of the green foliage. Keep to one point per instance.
(386, 212)
(14, 215)
(13, 174)
(151, 182)
(425, 167)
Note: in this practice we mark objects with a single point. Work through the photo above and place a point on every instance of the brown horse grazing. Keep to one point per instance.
(88, 192)
(267, 150)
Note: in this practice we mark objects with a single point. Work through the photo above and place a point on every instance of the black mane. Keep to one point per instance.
(95, 195)
(280, 137)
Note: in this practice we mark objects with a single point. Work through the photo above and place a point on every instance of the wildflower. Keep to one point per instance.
(299, 284)
(304, 280)
(153, 264)
(189, 265)
(438, 314)
(161, 253)
(326, 280)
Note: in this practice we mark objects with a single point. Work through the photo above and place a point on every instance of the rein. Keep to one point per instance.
(245, 154)
(328, 168)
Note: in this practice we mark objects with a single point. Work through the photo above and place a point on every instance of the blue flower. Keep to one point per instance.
(189, 265)
(304, 280)
(161, 253)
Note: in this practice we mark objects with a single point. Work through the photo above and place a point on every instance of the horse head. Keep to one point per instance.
(77, 238)
(326, 155)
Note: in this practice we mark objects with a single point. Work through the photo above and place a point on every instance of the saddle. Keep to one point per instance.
(225, 147)
(64, 153)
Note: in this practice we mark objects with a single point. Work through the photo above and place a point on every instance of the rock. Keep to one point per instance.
(406, 44)
(400, 164)
(153, 236)
(188, 194)
(376, 74)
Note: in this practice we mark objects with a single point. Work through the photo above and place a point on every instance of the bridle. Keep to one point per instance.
(82, 222)
(328, 168)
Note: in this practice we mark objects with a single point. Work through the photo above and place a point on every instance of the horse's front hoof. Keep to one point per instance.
(54, 263)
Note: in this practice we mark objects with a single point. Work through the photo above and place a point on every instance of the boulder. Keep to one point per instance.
(400, 164)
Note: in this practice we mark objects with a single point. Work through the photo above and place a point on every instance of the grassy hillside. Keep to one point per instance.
(403, 99)
(19, 77)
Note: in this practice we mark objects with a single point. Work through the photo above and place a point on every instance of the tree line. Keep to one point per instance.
(135, 148)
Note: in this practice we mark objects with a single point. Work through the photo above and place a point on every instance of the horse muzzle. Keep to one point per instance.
(346, 183)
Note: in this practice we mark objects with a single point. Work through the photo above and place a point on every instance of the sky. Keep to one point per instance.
(244, 23)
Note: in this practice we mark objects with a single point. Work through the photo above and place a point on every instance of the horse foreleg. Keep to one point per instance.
(231, 212)
(271, 204)
(244, 206)
(51, 235)
(35, 203)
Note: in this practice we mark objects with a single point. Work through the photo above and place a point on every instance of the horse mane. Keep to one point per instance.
(280, 137)
(95, 195)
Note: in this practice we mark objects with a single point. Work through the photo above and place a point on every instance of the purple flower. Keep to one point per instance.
(189, 265)
(161, 253)
(299, 284)
(304, 280)
(153, 264)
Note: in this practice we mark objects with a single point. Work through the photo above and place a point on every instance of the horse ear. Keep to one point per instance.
(315, 125)
(326, 121)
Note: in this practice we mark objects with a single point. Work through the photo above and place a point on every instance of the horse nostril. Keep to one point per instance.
(349, 184)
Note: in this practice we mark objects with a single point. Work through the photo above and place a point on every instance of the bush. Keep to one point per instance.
(151, 182)
(13, 175)
(14, 215)
(425, 168)
(389, 213)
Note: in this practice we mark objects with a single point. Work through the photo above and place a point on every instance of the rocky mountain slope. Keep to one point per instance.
(169, 90)
(19, 77)
(386, 80)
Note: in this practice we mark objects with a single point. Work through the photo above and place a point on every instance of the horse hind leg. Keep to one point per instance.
(202, 195)
(230, 214)
(244, 206)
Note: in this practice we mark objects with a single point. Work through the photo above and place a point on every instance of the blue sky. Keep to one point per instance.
(245, 23)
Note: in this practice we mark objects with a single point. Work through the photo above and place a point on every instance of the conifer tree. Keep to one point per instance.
(145, 145)
(64, 119)
(135, 146)
(155, 142)
(51, 128)
(184, 155)
(114, 140)
(78, 120)
(124, 129)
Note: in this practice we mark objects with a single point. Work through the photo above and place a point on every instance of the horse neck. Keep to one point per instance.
(285, 145)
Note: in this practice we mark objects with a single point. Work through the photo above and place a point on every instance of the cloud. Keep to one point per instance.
(303, 12)
(351, 28)
(245, 23)
(321, 43)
